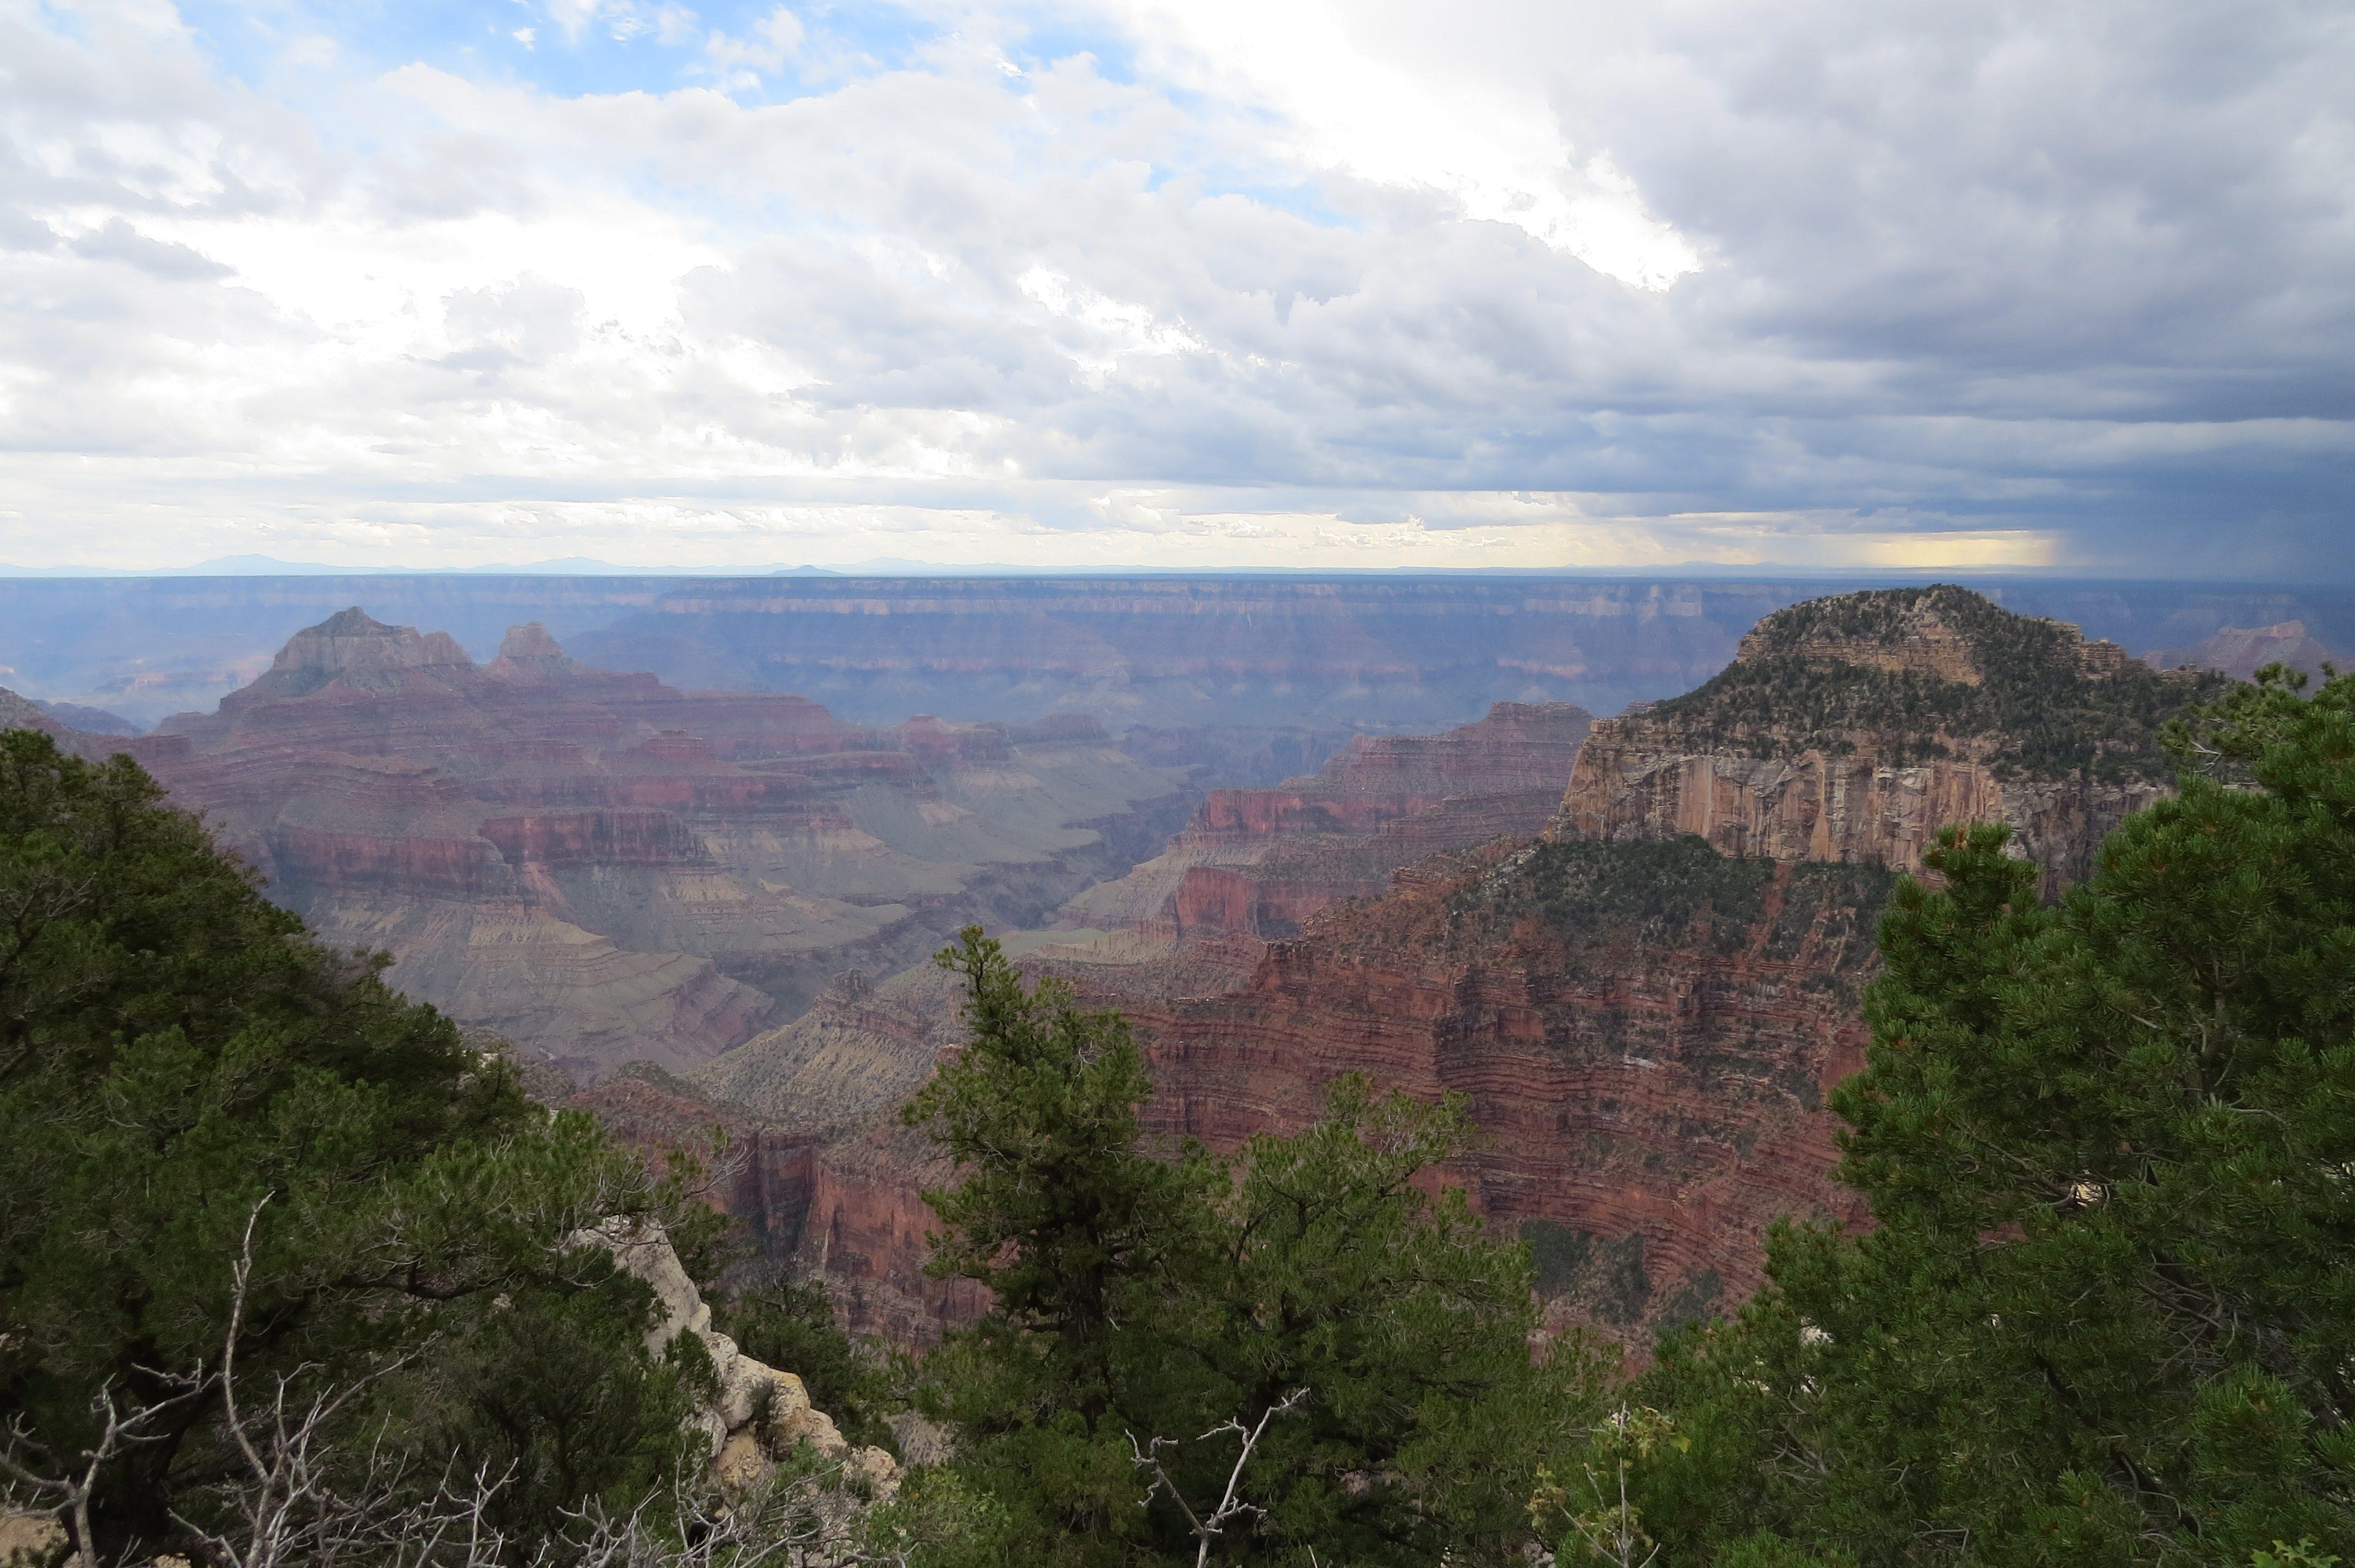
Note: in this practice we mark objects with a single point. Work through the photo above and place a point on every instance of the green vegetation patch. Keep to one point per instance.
(1840, 905)
(1681, 893)
(2048, 714)
(1594, 894)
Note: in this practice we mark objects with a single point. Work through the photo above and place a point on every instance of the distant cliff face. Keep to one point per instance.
(1379, 654)
(1647, 1031)
(1361, 653)
(601, 867)
(2241, 651)
(1853, 728)
(1256, 863)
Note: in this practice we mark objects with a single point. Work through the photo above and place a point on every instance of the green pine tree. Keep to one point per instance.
(1143, 1303)
(181, 1068)
(2106, 1311)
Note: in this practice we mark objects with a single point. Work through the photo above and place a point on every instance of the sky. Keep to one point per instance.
(1219, 284)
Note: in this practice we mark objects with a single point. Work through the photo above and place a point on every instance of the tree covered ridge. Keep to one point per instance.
(226, 1142)
(1669, 893)
(2040, 707)
(2105, 1314)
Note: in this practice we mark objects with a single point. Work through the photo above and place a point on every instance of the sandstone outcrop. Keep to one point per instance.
(1852, 729)
(601, 867)
(756, 1413)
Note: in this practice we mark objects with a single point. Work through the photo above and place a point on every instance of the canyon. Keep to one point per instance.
(1647, 1019)
(1636, 943)
(1377, 652)
(603, 868)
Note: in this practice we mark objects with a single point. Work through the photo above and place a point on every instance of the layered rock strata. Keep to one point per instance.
(1646, 1033)
(1852, 729)
(1256, 863)
(601, 867)
(1647, 1007)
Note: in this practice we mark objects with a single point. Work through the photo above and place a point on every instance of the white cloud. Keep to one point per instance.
(1509, 283)
(741, 62)
(1420, 96)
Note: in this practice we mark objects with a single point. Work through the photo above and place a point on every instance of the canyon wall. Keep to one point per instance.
(1256, 863)
(602, 867)
(1365, 654)
(830, 1079)
(1646, 1033)
(1635, 783)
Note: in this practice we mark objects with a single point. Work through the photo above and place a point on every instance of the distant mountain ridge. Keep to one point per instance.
(1381, 654)
(2241, 651)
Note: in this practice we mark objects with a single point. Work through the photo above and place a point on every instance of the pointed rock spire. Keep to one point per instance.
(351, 648)
(528, 653)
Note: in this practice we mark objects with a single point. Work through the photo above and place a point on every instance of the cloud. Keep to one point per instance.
(1565, 283)
(118, 241)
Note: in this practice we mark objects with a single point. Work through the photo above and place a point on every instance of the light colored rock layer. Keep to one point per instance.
(1846, 807)
(759, 1413)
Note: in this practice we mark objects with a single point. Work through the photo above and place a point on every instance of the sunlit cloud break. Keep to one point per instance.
(1209, 286)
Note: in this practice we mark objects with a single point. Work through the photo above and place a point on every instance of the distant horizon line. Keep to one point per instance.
(264, 568)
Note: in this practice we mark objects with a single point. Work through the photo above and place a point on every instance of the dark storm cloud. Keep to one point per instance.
(2076, 273)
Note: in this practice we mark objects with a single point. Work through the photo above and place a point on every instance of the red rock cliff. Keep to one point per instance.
(1852, 729)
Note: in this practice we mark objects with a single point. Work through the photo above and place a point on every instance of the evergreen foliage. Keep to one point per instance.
(182, 1065)
(1143, 1299)
(2036, 710)
(792, 1326)
(2106, 1311)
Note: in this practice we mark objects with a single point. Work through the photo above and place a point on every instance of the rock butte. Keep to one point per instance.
(602, 867)
(1886, 764)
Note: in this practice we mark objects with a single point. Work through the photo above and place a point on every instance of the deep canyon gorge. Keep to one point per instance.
(705, 894)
